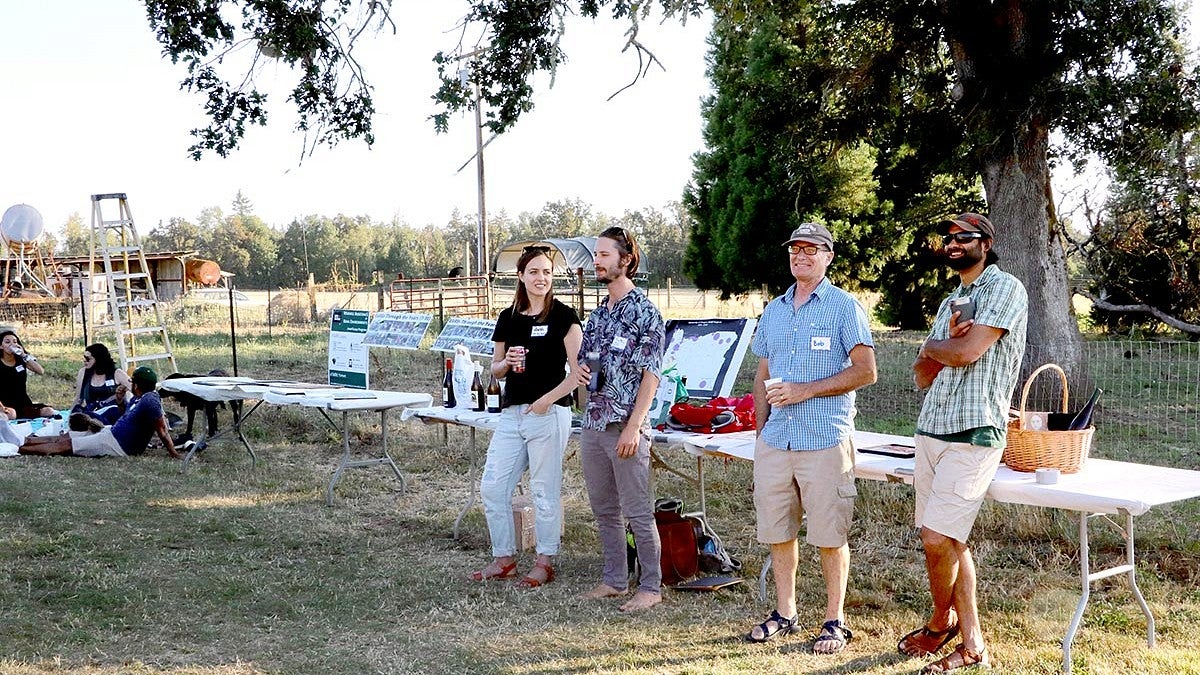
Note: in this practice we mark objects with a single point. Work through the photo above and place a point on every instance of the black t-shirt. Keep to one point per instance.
(546, 355)
(12, 385)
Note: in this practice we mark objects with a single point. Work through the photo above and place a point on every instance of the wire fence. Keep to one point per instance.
(1149, 411)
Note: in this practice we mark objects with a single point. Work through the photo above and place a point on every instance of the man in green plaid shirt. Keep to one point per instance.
(970, 363)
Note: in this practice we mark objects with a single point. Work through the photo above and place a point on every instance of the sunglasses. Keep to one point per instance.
(806, 249)
(536, 249)
(961, 237)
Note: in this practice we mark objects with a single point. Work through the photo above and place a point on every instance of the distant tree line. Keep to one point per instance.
(356, 249)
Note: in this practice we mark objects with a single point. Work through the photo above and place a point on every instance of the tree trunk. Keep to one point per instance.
(1019, 199)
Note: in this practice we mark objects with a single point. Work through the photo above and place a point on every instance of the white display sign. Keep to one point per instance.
(348, 356)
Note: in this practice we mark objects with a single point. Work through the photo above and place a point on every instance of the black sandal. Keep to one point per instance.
(836, 632)
(774, 625)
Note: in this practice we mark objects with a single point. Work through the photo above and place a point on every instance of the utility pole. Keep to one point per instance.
(481, 247)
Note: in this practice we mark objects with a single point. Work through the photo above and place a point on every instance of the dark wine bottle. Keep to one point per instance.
(1083, 419)
(478, 398)
(448, 386)
(493, 395)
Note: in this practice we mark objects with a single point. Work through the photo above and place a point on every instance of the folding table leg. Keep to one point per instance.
(1087, 577)
(470, 487)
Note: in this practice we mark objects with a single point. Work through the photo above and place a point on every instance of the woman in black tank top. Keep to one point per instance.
(96, 384)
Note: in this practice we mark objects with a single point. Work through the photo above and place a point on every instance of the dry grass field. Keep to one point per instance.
(129, 566)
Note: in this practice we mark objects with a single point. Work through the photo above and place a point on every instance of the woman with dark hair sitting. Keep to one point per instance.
(96, 385)
(15, 366)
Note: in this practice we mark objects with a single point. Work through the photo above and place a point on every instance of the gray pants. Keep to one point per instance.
(618, 490)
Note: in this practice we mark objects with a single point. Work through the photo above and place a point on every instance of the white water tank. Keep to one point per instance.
(22, 223)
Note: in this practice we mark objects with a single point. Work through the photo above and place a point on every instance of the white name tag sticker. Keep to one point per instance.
(820, 344)
(20, 369)
(539, 331)
(110, 383)
(620, 342)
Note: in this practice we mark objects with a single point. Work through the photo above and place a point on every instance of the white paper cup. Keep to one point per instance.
(773, 380)
(1046, 476)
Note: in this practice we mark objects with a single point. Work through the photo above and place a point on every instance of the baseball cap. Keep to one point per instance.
(814, 232)
(970, 222)
(146, 376)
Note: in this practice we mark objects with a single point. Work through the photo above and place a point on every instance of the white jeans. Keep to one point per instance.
(537, 442)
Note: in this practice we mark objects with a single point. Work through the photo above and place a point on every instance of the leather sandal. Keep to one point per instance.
(531, 582)
(774, 625)
(961, 657)
(924, 641)
(506, 572)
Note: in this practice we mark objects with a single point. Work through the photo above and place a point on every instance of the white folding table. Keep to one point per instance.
(235, 390)
(347, 401)
(1102, 488)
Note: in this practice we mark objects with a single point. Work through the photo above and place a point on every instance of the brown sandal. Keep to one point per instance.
(924, 641)
(961, 657)
(530, 582)
(506, 572)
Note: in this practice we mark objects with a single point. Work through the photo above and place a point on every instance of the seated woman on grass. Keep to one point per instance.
(96, 385)
(536, 339)
(15, 366)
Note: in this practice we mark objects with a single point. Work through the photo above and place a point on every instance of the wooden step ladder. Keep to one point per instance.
(134, 314)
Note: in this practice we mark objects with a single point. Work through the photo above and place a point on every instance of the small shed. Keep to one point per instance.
(567, 255)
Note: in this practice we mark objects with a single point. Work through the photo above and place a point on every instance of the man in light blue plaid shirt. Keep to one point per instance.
(814, 347)
(970, 364)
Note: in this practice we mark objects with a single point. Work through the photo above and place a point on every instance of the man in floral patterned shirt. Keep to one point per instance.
(625, 336)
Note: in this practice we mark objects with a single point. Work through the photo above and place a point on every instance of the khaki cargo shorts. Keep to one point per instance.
(790, 483)
(951, 480)
(99, 444)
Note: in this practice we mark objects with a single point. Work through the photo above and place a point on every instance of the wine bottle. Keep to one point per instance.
(593, 364)
(448, 386)
(493, 395)
(1083, 419)
(477, 396)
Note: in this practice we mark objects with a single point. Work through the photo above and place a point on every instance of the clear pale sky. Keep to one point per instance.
(89, 106)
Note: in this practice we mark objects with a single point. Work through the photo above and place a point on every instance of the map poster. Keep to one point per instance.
(397, 330)
(708, 352)
(475, 334)
(348, 356)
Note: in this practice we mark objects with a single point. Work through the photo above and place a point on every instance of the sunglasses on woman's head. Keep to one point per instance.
(536, 249)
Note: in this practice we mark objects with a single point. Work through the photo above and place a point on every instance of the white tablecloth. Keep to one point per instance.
(1102, 486)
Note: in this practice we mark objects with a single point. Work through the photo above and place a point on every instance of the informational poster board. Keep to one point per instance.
(397, 330)
(708, 352)
(347, 353)
(476, 334)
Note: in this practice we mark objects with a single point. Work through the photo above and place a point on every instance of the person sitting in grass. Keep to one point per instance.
(15, 366)
(96, 385)
(140, 419)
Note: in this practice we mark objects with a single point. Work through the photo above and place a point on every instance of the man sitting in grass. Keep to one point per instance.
(129, 435)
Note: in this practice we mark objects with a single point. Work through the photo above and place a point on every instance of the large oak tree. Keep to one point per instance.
(1094, 69)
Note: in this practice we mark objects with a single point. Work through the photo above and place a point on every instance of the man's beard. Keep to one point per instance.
(604, 278)
(969, 258)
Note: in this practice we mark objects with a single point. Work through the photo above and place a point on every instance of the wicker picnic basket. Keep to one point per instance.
(1030, 450)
